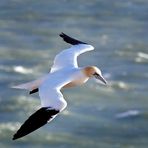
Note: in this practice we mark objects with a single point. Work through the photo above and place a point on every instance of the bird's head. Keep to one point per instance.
(92, 71)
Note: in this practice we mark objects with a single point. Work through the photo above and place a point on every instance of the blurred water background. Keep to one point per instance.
(97, 116)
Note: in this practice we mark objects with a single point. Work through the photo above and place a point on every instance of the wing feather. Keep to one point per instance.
(35, 121)
(49, 90)
(68, 57)
(70, 40)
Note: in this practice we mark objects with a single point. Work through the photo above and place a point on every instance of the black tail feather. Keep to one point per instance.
(70, 40)
(35, 121)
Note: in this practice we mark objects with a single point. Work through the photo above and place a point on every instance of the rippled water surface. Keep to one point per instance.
(97, 116)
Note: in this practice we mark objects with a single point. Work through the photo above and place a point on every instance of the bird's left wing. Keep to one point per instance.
(68, 57)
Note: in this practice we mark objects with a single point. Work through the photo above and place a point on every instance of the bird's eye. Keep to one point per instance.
(95, 74)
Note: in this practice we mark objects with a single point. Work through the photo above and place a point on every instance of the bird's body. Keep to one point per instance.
(63, 78)
(64, 73)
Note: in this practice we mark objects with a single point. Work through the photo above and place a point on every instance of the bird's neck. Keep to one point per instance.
(79, 80)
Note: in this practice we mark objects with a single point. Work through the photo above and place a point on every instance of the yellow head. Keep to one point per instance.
(92, 71)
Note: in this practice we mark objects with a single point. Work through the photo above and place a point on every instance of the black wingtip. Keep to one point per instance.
(70, 40)
(14, 137)
(35, 121)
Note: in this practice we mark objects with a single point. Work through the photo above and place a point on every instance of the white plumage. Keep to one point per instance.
(64, 70)
(68, 57)
(64, 73)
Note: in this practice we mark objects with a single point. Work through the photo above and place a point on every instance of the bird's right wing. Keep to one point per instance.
(68, 57)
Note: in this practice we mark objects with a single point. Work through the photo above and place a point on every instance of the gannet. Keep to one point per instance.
(64, 73)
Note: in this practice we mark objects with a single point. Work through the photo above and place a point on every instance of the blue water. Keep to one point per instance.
(113, 116)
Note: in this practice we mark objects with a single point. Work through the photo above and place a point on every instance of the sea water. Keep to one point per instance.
(97, 116)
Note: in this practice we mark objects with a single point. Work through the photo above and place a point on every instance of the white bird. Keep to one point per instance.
(64, 73)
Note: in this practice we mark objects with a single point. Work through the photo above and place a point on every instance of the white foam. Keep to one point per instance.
(128, 113)
(21, 69)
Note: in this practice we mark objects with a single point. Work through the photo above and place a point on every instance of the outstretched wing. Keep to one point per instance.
(52, 103)
(35, 121)
(68, 57)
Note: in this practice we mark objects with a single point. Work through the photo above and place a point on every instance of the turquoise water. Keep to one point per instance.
(97, 116)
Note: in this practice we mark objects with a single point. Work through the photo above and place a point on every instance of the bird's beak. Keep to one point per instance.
(100, 77)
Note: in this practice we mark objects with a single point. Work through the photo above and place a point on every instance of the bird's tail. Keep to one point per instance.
(31, 85)
(28, 86)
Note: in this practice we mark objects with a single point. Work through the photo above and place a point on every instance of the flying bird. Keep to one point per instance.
(64, 73)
